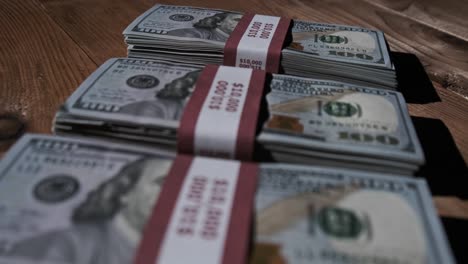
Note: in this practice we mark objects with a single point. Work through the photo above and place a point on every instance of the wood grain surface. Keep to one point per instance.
(452, 111)
(48, 47)
(448, 16)
(40, 66)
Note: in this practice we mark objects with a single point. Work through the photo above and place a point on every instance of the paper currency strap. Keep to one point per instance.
(256, 42)
(202, 214)
(220, 119)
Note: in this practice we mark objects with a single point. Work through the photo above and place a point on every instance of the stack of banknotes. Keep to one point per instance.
(86, 201)
(317, 50)
(310, 120)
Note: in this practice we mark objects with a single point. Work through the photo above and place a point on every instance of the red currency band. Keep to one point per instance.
(273, 58)
(155, 228)
(188, 122)
(235, 248)
(276, 46)
(247, 116)
(246, 135)
(230, 48)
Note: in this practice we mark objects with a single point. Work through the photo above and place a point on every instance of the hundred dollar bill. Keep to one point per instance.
(83, 201)
(319, 215)
(144, 92)
(337, 117)
(144, 99)
(70, 200)
(211, 25)
(341, 43)
(184, 23)
(181, 28)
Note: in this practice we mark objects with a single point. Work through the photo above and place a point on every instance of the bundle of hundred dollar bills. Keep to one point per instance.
(86, 201)
(317, 50)
(311, 121)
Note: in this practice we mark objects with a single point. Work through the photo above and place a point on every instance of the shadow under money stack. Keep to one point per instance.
(317, 50)
(311, 121)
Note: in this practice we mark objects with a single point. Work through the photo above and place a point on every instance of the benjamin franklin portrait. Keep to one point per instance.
(169, 102)
(217, 27)
(107, 226)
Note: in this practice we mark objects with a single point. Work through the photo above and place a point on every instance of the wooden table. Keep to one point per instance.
(48, 47)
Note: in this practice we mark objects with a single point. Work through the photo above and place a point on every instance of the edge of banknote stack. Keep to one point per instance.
(317, 50)
(310, 120)
(302, 214)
